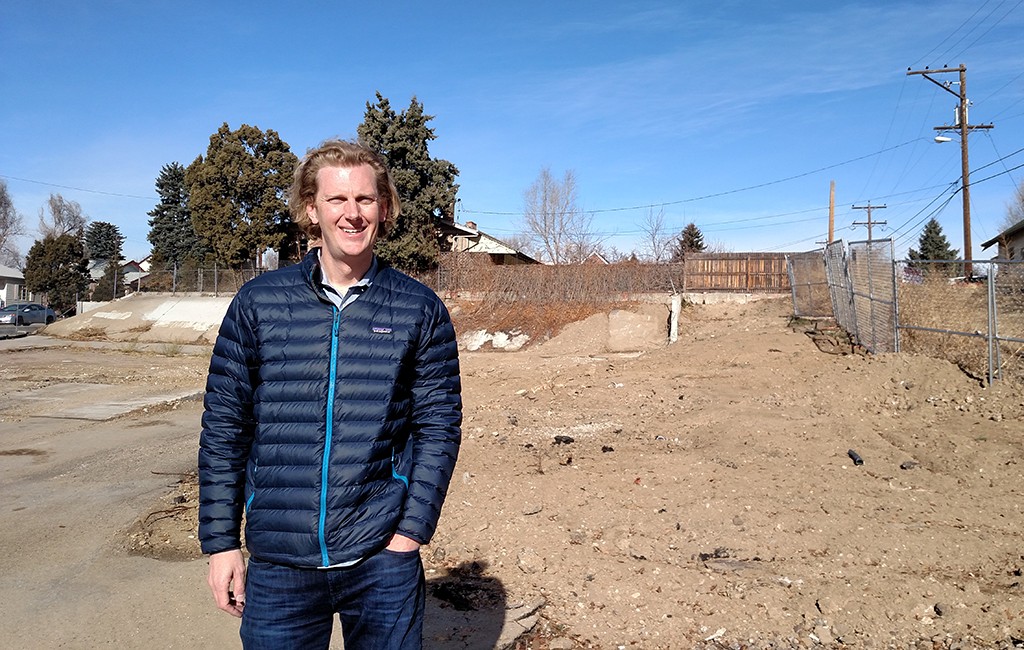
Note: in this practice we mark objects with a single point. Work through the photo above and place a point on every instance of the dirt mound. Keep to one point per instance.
(169, 531)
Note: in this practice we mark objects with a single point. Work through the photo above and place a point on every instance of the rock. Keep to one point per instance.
(530, 561)
(561, 643)
(824, 634)
(532, 509)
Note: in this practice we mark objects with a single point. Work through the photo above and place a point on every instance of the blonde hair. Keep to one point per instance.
(339, 153)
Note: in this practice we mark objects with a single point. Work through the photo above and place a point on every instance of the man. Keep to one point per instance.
(332, 421)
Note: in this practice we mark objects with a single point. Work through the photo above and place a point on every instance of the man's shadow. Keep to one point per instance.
(468, 610)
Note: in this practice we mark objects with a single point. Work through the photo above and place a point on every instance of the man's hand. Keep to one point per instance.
(227, 581)
(402, 544)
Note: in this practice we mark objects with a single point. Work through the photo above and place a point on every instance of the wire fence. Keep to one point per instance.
(808, 283)
(923, 307)
(193, 280)
(976, 322)
(870, 265)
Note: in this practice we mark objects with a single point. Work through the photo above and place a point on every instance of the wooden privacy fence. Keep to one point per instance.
(733, 272)
(746, 272)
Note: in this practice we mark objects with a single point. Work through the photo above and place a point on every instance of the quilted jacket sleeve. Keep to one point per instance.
(436, 425)
(228, 429)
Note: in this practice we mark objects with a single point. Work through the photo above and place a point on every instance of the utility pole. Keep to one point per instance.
(831, 211)
(964, 128)
(869, 222)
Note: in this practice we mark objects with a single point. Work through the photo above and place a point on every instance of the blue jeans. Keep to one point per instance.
(380, 602)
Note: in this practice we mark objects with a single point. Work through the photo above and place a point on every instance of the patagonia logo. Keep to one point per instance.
(381, 330)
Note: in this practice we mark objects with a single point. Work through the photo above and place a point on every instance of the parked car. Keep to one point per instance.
(25, 313)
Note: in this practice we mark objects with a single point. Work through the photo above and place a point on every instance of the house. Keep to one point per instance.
(469, 239)
(131, 271)
(595, 258)
(1011, 243)
(12, 286)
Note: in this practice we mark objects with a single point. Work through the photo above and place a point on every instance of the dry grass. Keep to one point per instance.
(539, 321)
(88, 334)
(962, 310)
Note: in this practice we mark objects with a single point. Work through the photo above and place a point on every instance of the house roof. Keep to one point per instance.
(11, 274)
(1006, 234)
(482, 242)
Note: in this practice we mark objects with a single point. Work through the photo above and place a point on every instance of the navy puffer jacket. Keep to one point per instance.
(332, 430)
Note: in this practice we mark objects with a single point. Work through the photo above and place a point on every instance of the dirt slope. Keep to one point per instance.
(708, 491)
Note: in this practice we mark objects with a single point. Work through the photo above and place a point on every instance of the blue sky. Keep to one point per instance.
(732, 115)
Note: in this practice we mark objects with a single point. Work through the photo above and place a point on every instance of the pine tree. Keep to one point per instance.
(171, 233)
(933, 247)
(237, 194)
(426, 186)
(691, 240)
(56, 266)
(103, 241)
(111, 285)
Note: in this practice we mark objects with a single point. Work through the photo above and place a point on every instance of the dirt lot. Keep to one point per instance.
(739, 488)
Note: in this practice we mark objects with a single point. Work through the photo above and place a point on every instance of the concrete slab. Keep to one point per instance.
(150, 317)
(97, 402)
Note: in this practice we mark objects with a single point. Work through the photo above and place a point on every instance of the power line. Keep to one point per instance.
(952, 33)
(944, 57)
(79, 189)
(718, 194)
(993, 26)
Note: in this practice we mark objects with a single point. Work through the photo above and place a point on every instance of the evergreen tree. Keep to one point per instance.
(103, 241)
(237, 194)
(171, 233)
(933, 246)
(690, 240)
(426, 186)
(111, 285)
(56, 266)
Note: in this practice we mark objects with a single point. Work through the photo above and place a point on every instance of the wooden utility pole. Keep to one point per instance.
(869, 222)
(831, 211)
(964, 128)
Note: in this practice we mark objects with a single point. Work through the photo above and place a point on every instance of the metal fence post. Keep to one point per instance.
(895, 307)
(991, 286)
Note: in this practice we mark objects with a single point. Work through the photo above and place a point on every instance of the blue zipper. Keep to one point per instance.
(394, 470)
(327, 441)
(248, 502)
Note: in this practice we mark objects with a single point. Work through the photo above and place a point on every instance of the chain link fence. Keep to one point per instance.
(925, 307)
(863, 291)
(840, 287)
(809, 284)
(194, 280)
(870, 265)
(976, 322)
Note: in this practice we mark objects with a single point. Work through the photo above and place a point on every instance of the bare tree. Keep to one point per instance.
(520, 241)
(552, 217)
(11, 227)
(1014, 209)
(655, 242)
(717, 246)
(66, 218)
